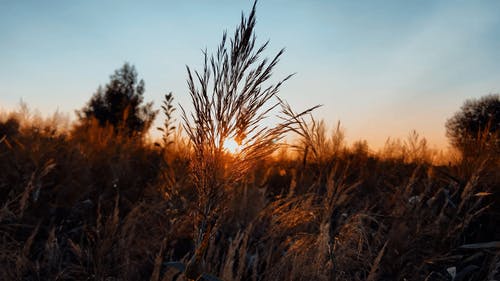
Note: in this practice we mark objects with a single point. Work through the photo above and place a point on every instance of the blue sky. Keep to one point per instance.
(383, 68)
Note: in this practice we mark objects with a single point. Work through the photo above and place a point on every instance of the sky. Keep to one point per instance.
(383, 68)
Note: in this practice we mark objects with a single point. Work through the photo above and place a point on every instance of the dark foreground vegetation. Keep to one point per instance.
(97, 201)
(96, 206)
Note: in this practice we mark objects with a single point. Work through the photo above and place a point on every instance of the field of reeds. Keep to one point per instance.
(93, 205)
(88, 202)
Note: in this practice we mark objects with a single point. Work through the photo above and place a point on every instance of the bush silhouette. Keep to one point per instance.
(119, 104)
(475, 129)
(9, 127)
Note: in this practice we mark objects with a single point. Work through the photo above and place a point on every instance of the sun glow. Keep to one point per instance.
(231, 146)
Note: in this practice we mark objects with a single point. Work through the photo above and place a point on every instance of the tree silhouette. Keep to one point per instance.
(119, 104)
(475, 128)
